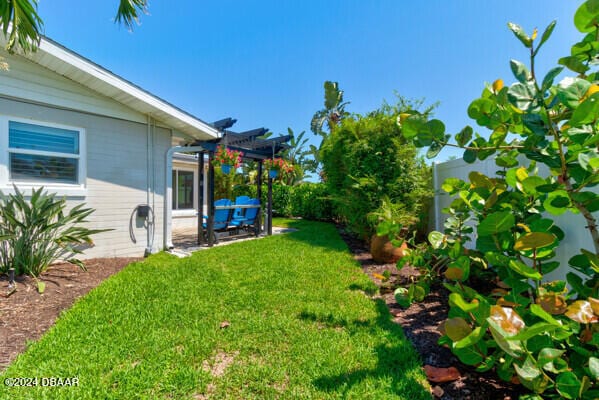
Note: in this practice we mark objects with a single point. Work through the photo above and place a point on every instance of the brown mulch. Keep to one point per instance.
(26, 314)
(420, 324)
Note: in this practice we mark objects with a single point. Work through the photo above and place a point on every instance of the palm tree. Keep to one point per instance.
(21, 24)
(333, 112)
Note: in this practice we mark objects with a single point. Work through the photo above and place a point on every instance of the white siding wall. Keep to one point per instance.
(116, 174)
(577, 236)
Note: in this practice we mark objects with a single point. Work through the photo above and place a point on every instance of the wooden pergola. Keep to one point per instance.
(254, 148)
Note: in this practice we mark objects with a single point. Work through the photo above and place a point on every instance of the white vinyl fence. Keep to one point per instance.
(573, 225)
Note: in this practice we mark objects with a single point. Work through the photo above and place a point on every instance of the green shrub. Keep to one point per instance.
(306, 200)
(364, 159)
(543, 334)
(39, 231)
(311, 201)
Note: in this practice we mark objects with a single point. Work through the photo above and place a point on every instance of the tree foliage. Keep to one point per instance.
(22, 26)
(365, 159)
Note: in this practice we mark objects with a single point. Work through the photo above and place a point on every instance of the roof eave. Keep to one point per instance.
(100, 80)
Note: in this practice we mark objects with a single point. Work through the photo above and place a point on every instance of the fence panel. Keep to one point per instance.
(573, 225)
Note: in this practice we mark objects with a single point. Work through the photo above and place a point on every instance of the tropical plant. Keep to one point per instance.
(301, 158)
(22, 25)
(333, 112)
(365, 159)
(39, 232)
(541, 334)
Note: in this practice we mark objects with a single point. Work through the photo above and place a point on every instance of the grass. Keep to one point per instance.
(300, 327)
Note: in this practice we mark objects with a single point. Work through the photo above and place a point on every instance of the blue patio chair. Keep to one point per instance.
(221, 217)
(240, 212)
(250, 218)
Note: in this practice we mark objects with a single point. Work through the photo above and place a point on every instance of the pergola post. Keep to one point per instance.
(254, 147)
(259, 195)
(269, 214)
(200, 198)
(210, 199)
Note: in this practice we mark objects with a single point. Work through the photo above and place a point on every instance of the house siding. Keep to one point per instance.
(117, 176)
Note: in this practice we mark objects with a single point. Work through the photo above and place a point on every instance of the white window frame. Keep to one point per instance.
(61, 189)
(185, 212)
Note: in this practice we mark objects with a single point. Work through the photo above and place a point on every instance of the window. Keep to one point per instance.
(182, 190)
(44, 154)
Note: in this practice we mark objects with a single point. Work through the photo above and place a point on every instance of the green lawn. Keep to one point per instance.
(300, 327)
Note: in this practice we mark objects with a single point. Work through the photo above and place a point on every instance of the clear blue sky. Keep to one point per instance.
(264, 62)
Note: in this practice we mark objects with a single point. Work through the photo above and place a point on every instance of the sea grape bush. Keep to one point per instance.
(544, 335)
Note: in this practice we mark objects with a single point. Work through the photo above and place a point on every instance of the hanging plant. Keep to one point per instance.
(278, 167)
(227, 158)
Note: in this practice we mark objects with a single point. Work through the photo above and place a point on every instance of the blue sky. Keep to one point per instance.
(264, 62)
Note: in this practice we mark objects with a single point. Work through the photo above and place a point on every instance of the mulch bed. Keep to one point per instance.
(420, 323)
(25, 315)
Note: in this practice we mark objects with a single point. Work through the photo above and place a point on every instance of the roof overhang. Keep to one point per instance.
(73, 66)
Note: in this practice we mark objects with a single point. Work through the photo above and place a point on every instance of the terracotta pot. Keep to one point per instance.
(384, 252)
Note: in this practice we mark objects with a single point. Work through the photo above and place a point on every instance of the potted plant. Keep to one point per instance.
(227, 158)
(392, 222)
(277, 166)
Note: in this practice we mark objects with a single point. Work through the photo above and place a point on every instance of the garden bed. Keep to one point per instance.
(420, 323)
(26, 314)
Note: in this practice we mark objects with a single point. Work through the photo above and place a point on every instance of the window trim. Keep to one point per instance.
(184, 212)
(64, 189)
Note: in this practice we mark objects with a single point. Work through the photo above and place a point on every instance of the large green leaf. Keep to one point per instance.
(464, 136)
(587, 111)
(512, 347)
(568, 385)
(594, 367)
(501, 221)
(537, 310)
(546, 34)
(571, 91)
(586, 17)
(457, 328)
(332, 95)
(468, 355)
(413, 125)
(534, 240)
(479, 180)
(522, 269)
(436, 239)
(574, 63)
(528, 371)
(474, 337)
(551, 75)
(520, 34)
(522, 95)
(520, 71)
(547, 355)
(534, 330)
(531, 183)
(557, 202)
(456, 300)
(581, 311)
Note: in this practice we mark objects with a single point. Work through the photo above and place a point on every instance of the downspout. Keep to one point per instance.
(168, 193)
(149, 151)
